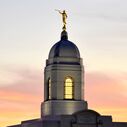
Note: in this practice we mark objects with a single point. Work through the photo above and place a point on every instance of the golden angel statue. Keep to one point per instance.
(64, 17)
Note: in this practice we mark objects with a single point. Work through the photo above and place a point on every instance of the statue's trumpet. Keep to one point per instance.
(57, 10)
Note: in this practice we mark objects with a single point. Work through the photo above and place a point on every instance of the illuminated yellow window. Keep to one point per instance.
(68, 88)
(49, 89)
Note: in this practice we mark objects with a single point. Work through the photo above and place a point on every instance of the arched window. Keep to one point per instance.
(49, 88)
(68, 88)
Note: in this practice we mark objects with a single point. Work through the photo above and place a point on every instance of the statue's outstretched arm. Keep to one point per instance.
(58, 11)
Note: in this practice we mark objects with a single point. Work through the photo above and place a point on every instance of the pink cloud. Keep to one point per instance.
(30, 82)
(105, 90)
(106, 93)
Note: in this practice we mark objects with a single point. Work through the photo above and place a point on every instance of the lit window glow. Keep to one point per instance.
(68, 88)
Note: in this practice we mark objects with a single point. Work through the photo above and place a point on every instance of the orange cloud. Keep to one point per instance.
(15, 107)
(21, 100)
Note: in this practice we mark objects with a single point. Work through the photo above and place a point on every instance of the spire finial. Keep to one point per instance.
(64, 17)
(64, 35)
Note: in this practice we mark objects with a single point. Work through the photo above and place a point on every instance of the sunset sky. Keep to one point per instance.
(29, 28)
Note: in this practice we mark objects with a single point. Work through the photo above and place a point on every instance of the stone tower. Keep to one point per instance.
(63, 80)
